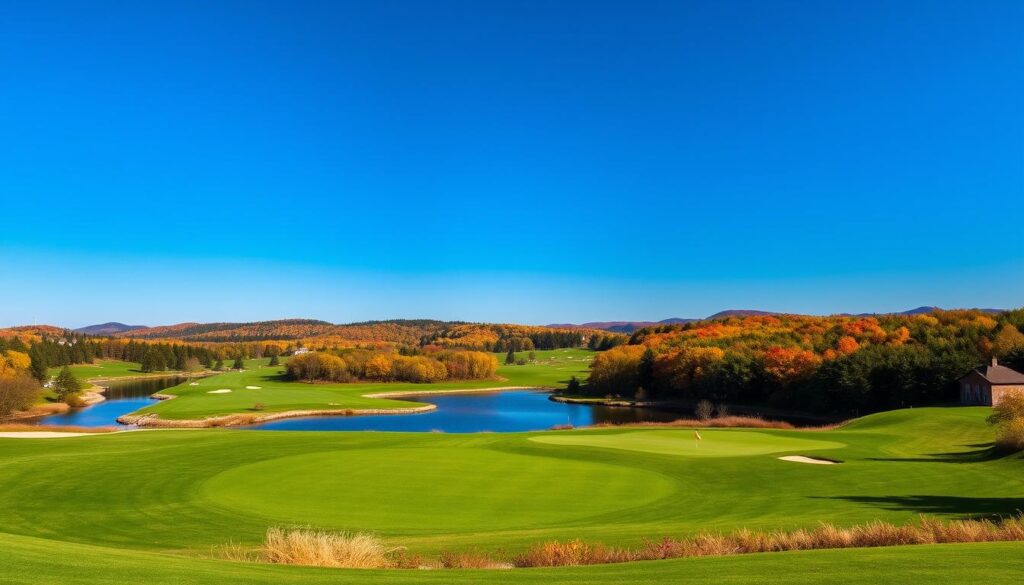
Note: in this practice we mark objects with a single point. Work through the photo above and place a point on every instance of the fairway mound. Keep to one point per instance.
(253, 387)
(811, 460)
(221, 391)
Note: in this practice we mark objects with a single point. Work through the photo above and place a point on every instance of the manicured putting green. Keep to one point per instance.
(714, 443)
(415, 490)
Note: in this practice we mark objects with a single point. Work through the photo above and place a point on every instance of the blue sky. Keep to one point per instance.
(507, 161)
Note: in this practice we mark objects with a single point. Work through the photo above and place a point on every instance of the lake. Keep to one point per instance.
(123, 397)
(503, 411)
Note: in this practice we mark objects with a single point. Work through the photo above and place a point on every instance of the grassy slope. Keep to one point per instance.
(186, 491)
(552, 369)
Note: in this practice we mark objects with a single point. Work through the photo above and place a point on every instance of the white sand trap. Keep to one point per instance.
(221, 391)
(811, 460)
(253, 387)
(193, 383)
(43, 435)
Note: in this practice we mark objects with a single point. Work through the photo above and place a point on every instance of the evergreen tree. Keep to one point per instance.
(274, 361)
(38, 368)
(153, 361)
(219, 365)
(66, 385)
(239, 364)
(573, 387)
(510, 358)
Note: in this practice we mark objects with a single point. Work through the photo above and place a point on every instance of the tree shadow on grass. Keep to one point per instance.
(961, 507)
(977, 453)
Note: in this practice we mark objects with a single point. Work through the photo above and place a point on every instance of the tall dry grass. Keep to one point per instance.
(744, 541)
(301, 546)
(326, 549)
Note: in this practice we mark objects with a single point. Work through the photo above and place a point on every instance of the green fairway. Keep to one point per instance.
(107, 369)
(713, 443)
(183, 493)
(267, 386)
(489, 483)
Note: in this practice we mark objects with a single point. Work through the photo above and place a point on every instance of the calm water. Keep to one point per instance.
(502, 412)
(123, 397)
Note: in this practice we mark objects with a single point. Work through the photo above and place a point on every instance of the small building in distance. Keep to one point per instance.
(987, 385)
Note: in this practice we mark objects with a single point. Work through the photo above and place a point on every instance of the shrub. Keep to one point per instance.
(17, 392)
(704, 410)
(1008, 417)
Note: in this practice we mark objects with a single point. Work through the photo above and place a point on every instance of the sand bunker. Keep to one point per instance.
(253, 387)
(42, 435)
(193, 383)
(221, 391)
(812, 460)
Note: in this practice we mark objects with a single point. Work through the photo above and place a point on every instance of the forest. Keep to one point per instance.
(838, 364)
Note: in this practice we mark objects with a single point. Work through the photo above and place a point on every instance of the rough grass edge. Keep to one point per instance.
(309, 547)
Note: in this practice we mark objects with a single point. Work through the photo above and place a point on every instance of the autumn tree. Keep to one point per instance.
(18, 391)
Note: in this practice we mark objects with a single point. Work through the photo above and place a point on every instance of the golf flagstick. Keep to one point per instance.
(696, 439)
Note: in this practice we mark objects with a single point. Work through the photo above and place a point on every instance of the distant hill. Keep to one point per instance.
(108, 328)
(739, 313)
(631, 326)
(405, 331)
(620, 326)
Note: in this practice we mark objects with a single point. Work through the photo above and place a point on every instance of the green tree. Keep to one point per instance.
(510, 357)
(274, 361)
(239, 364)
(66, 386)
(153, 361)
(219, 365)
(38, 369)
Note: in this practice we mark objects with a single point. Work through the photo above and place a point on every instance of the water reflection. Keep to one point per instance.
(123, 397)
(504, 412)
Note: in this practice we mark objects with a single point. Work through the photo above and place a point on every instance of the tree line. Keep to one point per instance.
(839, 365)
(353, 364)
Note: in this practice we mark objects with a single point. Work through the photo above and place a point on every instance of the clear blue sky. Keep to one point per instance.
(507, 161)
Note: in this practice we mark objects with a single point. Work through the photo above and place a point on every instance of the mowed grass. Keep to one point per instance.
(107, 369)
(97, 508)
(267, 386)
(713, 443)
(31, 561)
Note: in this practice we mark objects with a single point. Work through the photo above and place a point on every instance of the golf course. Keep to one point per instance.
(159, 505)
(238, 392)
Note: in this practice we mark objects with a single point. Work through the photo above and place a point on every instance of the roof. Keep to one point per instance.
(997, 374)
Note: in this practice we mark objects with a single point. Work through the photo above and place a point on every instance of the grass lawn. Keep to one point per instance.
(260, 383)
(151, 505)
(107, 369)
